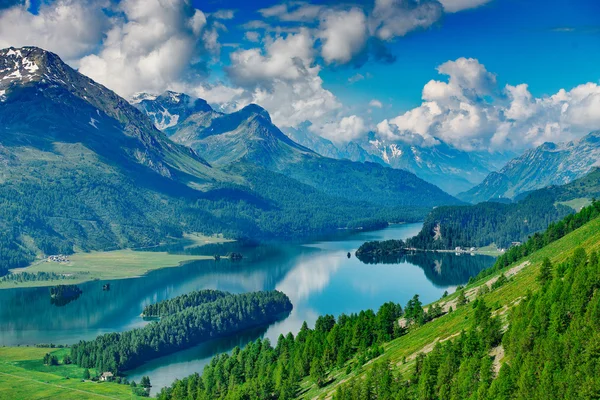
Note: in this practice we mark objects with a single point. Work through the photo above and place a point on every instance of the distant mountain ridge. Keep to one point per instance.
(249, 136)
(546, 165)
(449, 168)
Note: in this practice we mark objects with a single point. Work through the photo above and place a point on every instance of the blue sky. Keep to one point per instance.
(549, 44)
(514, 73)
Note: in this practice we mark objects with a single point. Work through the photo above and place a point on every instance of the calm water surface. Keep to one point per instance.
(318, 277)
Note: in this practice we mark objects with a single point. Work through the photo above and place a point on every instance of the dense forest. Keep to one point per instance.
(551, 339)
(180, 303)
(62, 295)
(92, 211)
(117, 352)
(555, 231)
(37, 276)
(378, 251)
(486, 223)
(261, 371)
(551, 342)
(502, 223)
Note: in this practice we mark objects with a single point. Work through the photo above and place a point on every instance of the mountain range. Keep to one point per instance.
(447, 167)
(247, 139)
(83, 169)
(548, 164)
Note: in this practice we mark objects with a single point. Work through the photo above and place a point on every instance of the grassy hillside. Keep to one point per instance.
(403, 352)
(24, 376)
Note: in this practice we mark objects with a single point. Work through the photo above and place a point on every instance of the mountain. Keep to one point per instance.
(249, 137)
(548, 164)
(351, 150)
(167, 109)
(451, 169)
(82, 169)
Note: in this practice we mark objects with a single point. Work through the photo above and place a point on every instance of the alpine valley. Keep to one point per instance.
(82, 169)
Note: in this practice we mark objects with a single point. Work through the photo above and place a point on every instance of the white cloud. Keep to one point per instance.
(392, 18)
(375, 103)
(286, 58)
(452, 6)
(217, 94)
(356, 78)
(252, 36)
(344, 35)
(296, 11)
(223, 14)
(346, 129)
(284, 79)
(150, 46)
(470, 112)
(70, 28)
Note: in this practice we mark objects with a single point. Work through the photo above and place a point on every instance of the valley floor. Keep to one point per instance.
(107, 265)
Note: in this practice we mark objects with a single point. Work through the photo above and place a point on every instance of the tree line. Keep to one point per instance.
(118, 352)
(482, 224)
(261, 371)
(555, 231)
(180, 303)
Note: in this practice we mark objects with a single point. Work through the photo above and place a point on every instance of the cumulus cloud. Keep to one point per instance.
(151, 45)
(344, 130)
(471, 112)
(352, 34)
(220, 94)
(287, 58)
(223, 14)
(375, 103)
(392, 18)
(344, 35)
(70, 28)
(252, 36)
(284, 78)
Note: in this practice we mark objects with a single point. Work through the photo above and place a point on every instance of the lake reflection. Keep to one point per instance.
(318, 277)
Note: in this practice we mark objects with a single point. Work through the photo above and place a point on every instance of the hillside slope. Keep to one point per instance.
(510, 360)
(501, 224)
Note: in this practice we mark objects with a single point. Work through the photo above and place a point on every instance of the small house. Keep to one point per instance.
(106, 376)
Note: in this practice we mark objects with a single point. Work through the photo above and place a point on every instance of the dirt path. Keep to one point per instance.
(472, 293)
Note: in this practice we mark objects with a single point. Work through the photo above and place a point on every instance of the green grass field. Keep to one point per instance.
(423, 338)
(118, 264)
(576, 204)
(24, 376)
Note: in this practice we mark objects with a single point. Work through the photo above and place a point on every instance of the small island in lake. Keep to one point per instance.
(64, 294)
(376, 251)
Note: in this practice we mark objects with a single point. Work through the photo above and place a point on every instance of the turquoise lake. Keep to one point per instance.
(318, 277)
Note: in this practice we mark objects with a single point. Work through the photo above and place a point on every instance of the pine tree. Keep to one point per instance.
(545, 274)
(317, 372)
(461, 300)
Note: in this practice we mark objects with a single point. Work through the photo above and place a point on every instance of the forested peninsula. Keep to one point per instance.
(117, 352)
